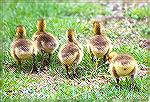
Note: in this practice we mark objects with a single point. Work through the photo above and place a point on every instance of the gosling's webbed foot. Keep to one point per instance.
(134, 87)
(67, 70)
(93, 59)
(75, 75)
(45, 65)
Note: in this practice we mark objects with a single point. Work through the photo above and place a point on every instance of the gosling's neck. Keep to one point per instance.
(41, 25)
(20, 32)
(71, 38)
(97, 30)
(20, 35)
(41, 29)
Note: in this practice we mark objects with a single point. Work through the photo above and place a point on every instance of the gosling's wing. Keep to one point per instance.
(99, 45)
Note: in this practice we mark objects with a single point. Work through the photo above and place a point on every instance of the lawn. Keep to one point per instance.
(124, 32)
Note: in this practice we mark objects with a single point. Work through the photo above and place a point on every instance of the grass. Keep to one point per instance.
(19, 86)
(139, 12)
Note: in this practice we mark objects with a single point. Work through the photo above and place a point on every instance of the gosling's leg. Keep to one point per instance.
(132, 82)
(19, 63)
(105, 56)
(67, 69)
(45, 65)
(118, 86)
(92, 56)
(49, 56)
(44, 62)
(117, 80)
(99, 62)
(18, 60)
(75, 73)
(48, 62)
(34, 68)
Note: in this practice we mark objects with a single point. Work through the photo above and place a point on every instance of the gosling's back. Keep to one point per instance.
(46, 42)
(124, 64)
(69, 54)
(23, 48)
(99, 45)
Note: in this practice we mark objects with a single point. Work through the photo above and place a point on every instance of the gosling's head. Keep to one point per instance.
(41, 24)
(20, 31)
(111, 56)
(97, 27)
(71, 35)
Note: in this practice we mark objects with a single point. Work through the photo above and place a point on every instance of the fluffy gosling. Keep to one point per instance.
(99, 45)
(22, 48)
(122, 65)
(44, 42)
(71, 53)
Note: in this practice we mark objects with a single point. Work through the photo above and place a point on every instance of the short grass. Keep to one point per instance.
(139, 12)
(19, 86)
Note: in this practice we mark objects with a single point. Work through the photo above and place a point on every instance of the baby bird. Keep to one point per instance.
(122, 65)
(22, 48)
(71, 53)
(44, 42)
(99, 45)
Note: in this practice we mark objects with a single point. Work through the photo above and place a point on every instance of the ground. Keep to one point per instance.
(125, 24)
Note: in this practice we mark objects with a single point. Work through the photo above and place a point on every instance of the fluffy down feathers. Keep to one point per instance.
(46, 42)
(123, 65)
(99, 45)
(22, 48)
(70, 53)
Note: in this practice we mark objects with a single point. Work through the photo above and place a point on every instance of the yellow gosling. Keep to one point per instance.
(122, 65)
(71, 53)
(99, 45)
(22, 48)
(44, 42)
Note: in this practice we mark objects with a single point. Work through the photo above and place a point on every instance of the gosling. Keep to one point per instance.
(71, 53)
(44, 42)
(122, 65)
(22, 48)
(99, 45)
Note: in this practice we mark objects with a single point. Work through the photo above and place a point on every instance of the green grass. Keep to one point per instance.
(19, 86)
(139, 12)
